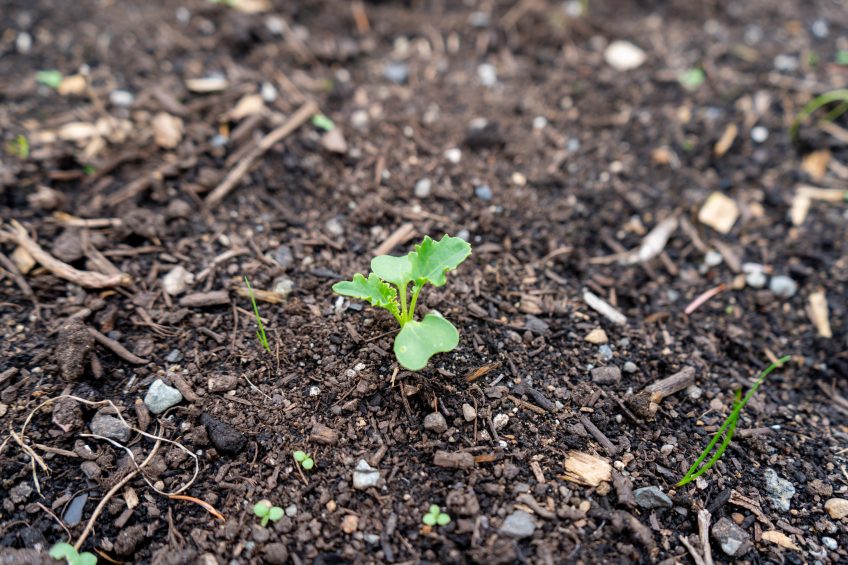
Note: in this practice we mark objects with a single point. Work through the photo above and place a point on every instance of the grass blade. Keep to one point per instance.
(260, 333)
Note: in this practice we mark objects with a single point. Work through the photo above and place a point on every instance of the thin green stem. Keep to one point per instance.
(402, 294)
(727, 429)
(416, 290)
(260, 333)
(840, 95)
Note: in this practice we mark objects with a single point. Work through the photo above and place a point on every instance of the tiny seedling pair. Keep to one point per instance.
(265, 511)
(435, 517)
(304, 460)
(386, 287)
(68, 553)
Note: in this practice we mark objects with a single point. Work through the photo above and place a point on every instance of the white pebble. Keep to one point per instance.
(454, 155)
(624, 56)
(759, 134)
(487, 74)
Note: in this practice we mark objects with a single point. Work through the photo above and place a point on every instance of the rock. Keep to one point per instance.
(174, 356)
(463, 502)
(177, 280)
(396, 72)
(276, 554)
(423, 188)
(350, 523)
(67, 247)
(334, 141)
(74, 345)
(755, 279)
(128, 540)
(652, 497)
(121, 98)
(167, 130)
(90, 469)
(435, 423)
(624, 56)
(203, 299)
(284, 256)
(73, 513)
(830, 543)
(487, 74)
(20, 492)
(500, 420)
(223, 436)
(283, 286)
(759, 134)
(110, 427)
(780, 491)
(837, 508)
(323, 434)
(453, 460)
(291, 510)
(606, 375)
(719, 212)
(334, 227)
(630, 367)
(222, 383)
(469, 413)
(365, 476)
(483, 192)
(783, 286)
(453, 155)
(160, 397)
(733, 540)
(519, 524)
(605, 351)
(597, 336)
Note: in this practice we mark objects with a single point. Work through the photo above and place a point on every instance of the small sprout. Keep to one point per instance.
(435, 517)
(386, 287)
(68, 553)
(836, 99)
(260, 333)
(842, 57)
(322, 122)
(304, 460)
(264, 510)
(51, 78)
(691, 79)
(18, 147)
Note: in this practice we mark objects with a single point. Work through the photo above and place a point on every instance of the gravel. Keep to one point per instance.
(160, 397)
(733, 540)
(783, 286)
(780, 491)
(519, 524)
(652, 497)
(110, 427)
(365, 476)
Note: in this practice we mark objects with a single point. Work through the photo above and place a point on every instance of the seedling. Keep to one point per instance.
(428, 263)
(435, 517)
(727, 429)
(50, 78)
(265, 511)
(691, 79)
(304, 460)
(68, 553)
(838, 97)
(18, 147)
(322, 122)
(260, 333)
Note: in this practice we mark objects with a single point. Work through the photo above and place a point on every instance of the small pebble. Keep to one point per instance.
(755, 279)
(820, 29)
(733, 540)
(435, 423)
(365, 476)
(630, 367)
(539, 122)
(829, 543)
(396, 72)
(597, 336)
(483, 192)
(334, 227)
(314, 391)
(284, 256)
(837, 508)
(479, 19)
(110, 427)
(652, 497)
(519, 524)
(713, 258)
(605, 351)
(786, 63)
(463, 235)
(783, 286)
(469, 413)
(454, 155)
(624, 56)
(780, 491)
(160, 397)
(291, 510)
(175, 356)
(500, 420)
(359, 119)
(23, 43)
(423, 188)
(268, 92)
(759, 134)
(121, 98)
(487, 74)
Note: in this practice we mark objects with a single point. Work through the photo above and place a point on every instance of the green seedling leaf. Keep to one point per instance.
(322, 122)
(262, 508)
(435, 516)
(86, 558)
(443, 519)
(429, 519)
(308, 464)
(64, 551)
(395, 270)
(842, 57)
(431, 259)
(830, 97)
(372, 289)
(435, 509)
(51, 78)
(299, 456)
(691, 79)
(418, 341)
(275, 513)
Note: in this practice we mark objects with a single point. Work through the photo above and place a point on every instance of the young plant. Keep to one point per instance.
(435, 517)
(727, 429)
(838, 97)
(68, 553)
(304, 460)
(265, 511)
(260, 333)
(386, 287)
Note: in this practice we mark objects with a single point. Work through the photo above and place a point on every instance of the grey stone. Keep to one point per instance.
(606, 375)
(606, 352)
(160, 397)
(487, 74)
(630, 367)
(783, 286)
(396, 72)
(121, 98)
(652, 497)
(435, 423)
(519, 524)
(780, 491)
(469, 413)
(483, 192)
(109, 427)
(284, 256)
(73, 514)
(365, 476)
(732, 539)
(830, 543)
(175, 356)
(423, 188)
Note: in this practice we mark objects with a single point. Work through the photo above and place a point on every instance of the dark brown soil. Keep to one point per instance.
(580, 161)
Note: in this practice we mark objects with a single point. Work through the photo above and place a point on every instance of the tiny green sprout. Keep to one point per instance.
(322, 122)
(260, 333)
(265, 511)
(691, 79)
(838, 99)
(842, 57)
(386, 287)
(18, 147)
(435, 517)
(304, 460)
(725, 432)
(49, 78)
(68, 553)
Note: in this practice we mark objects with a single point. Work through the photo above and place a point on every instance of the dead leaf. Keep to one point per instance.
(815, 163)
(334, 141)
(586, 469)
(719, 212)
(167, 130)
(817, 312)
(781, 539)
(726, 140)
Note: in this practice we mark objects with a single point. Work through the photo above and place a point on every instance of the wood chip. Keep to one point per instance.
(453, 460)
(781, 539)
(23, 260)
(799, 209)
(726, 140)
(74, 85)
(602, 307)
(597, 336)
(719, 212)
(824, 194)
(202, 299)
(248, 105)
(167, 130)
(586, 469)
(815, 163)
(817, 311)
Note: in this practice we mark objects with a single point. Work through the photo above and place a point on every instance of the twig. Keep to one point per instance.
(599, 436)
(69, 220)
(700, 300)
(202, 503)
(138, 186)
(87, 279)
(117, 348)
(400, 235)
(58, 521)
(19, 279)
(704, 518)
(239, 171)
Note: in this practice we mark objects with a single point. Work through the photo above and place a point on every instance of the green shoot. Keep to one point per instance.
(304, 460)
(435, 517)
(265, 511)
(830, 97)
(260, 333)
(68, 553)
(387, 286)
(691, 79)
(18, 147)
(725, 433)
(322, 122)
(50, 79)
(842, 57)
